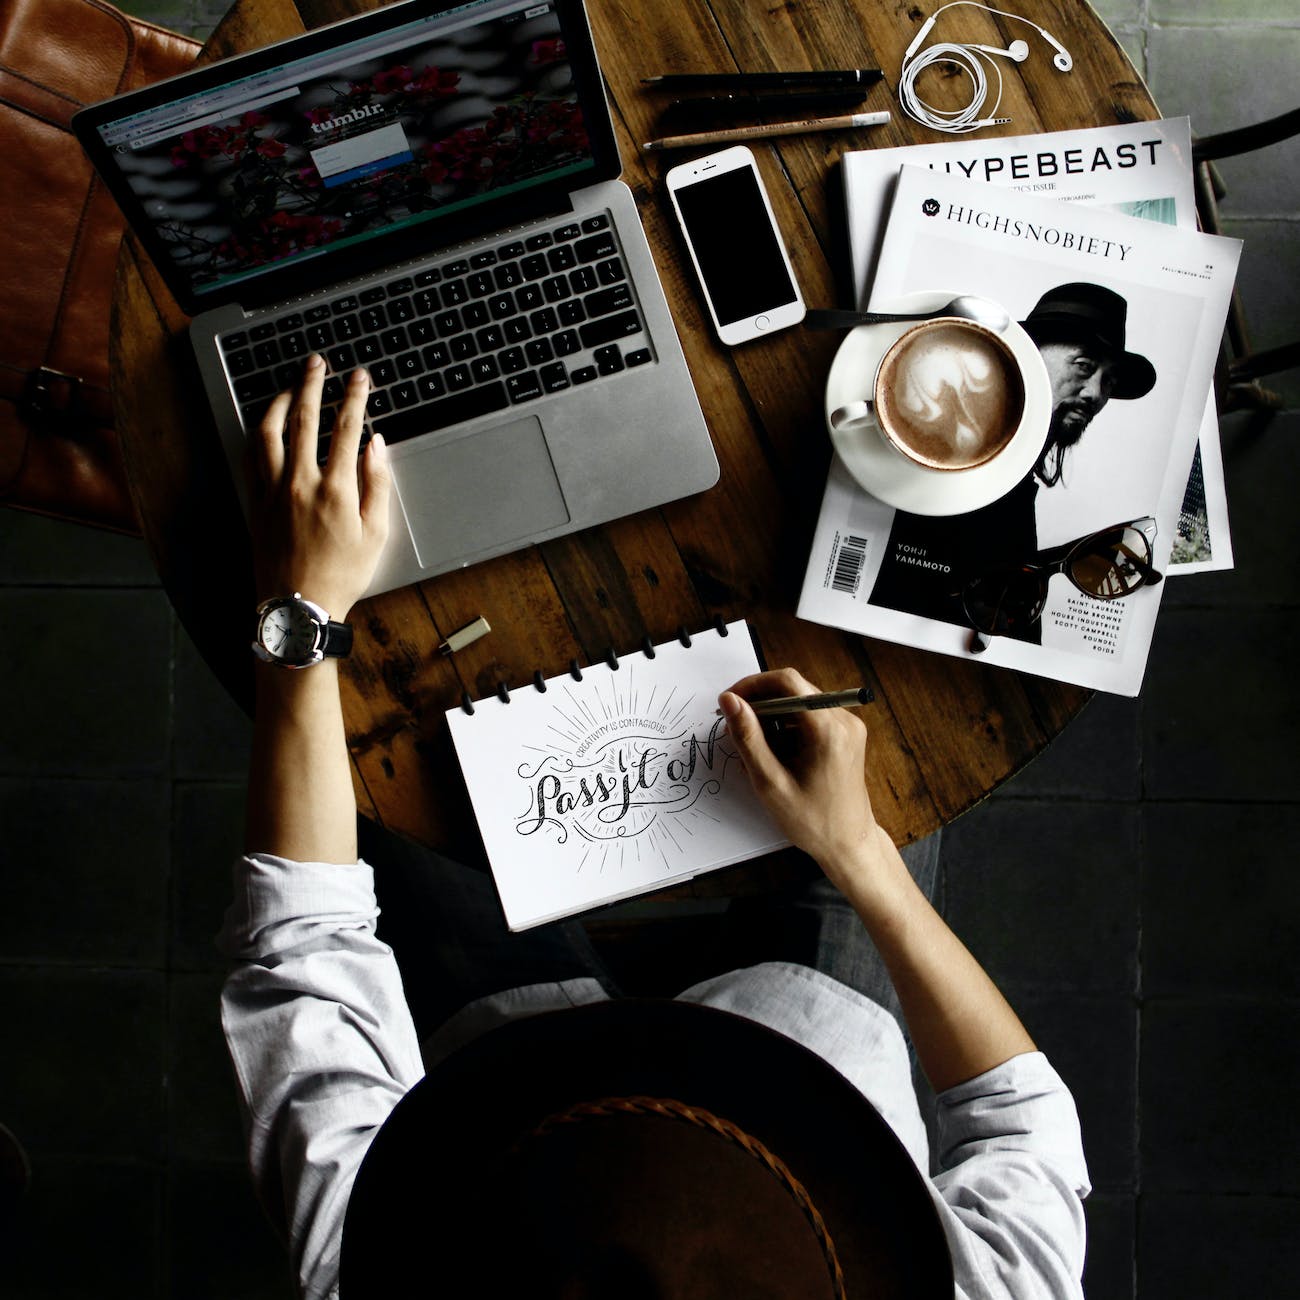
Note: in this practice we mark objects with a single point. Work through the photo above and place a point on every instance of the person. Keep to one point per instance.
(757, 1135)
(1080, 330)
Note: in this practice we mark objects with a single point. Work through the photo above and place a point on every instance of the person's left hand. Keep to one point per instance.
(318, 530)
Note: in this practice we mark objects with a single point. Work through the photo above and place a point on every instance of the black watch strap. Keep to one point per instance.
(337, 640)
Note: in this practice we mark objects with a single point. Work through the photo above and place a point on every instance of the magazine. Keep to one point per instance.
(1141, 168)
(899, 576)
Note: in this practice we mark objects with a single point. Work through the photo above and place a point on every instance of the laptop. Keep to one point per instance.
(429, 190)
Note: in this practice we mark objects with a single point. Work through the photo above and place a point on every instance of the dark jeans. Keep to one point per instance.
(446, 928)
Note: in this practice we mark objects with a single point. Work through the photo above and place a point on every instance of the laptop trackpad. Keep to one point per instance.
(490, 487)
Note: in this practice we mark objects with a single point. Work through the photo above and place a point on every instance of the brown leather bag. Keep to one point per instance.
(59, 232)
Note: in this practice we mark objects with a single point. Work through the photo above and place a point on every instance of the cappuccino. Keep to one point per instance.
(949, 394)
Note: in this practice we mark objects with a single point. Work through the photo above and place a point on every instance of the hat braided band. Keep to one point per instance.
(667, 1108)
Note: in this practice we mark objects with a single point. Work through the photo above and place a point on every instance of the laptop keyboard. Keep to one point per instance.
(462, 338)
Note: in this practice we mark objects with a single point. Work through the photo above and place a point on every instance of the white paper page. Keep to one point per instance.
(625, 781)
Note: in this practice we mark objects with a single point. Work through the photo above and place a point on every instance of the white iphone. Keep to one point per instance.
(730, 231)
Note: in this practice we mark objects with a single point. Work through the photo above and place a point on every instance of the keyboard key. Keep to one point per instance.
(480, 260)
(239, 363)
(593, 248)
(611, 271)
(394, 341)
(373, 320)
(430, 387)
(566, 343)
(598, 222)
(293, 345)
(640, 357)
(583, 375)
(447, 323)
(544, 321)
(400, 310)
(512, 361)
(378, 403)
(556, 288)
(266, 354)
(458, 378)
(608, 328)
(426, 302)
(438, 415)
(368, 350)
(404, 394)
(554, 377)
(319, 337)
(341, 359)
(508, 276)
(481, 284)
(409, 365)
(583, 280)
(475, 314)
(542, 240)
(232, 341)
(404, 285)
(524, 387)
(454, 293)
(421, 331)
(266, 330)
(463, 347)
(534, 267)
(314, 315)
(609, 360)
(347, 328)
(376, 293)
(332, 392)
(483, 369)
(539, 351)
(571, 231)
(383, 373)
(291, 322)
(530, 297)
(252, 387)
(341, 305)
(501, 306)
(562, 258)
(517, 330)
(286, 376)
(425, 278)
(459, 267)
(571, 312)
(490, 339)
(604, 301)
(436, 356)
(507, 252)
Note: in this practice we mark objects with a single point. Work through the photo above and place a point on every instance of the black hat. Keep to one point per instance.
(645, 1150)
(1081, 313)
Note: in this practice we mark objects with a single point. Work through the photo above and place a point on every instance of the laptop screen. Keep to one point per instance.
(380, 133)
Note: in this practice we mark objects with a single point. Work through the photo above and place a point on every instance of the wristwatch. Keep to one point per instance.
(296, 633)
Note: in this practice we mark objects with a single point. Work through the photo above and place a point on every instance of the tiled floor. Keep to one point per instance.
(1134, 890)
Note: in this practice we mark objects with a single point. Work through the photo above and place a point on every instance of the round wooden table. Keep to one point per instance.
(944, 731)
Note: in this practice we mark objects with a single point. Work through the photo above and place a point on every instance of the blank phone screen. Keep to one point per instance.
(740, 258)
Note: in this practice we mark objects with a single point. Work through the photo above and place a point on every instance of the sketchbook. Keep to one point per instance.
(612, 780)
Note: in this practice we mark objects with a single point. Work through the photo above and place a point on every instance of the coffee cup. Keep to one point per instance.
(947, 395)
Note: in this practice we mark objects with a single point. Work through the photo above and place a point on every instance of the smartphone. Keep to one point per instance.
(730, 232)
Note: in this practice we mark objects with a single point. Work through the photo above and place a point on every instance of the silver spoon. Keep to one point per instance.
(967, 306)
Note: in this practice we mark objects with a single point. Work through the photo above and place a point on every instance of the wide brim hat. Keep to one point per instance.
(635, 1150)
(1090, 313)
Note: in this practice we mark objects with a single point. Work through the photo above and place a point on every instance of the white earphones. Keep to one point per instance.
(969, 59)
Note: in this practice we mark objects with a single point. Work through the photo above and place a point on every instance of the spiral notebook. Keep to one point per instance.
(614, 779)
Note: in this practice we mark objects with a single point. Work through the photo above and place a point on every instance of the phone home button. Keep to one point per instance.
(762, 322)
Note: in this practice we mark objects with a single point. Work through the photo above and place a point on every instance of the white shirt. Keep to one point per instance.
(324, 1047)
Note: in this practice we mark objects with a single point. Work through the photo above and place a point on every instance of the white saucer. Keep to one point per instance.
(889, 475)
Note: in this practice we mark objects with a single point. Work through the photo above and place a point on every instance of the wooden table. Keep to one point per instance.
(945, 731)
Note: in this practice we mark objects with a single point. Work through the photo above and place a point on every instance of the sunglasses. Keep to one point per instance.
(1104, 565)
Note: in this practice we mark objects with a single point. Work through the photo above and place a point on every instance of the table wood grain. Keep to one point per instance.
(944, 731)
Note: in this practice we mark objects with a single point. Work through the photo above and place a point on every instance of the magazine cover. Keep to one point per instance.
(1072, 276)
(1143, 169)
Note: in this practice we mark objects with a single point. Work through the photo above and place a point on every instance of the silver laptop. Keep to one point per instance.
(430, 190)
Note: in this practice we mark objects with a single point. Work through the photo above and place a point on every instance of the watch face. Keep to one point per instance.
(288, 632)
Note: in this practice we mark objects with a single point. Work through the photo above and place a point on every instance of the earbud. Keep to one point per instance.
(1017, 50)
(1061, 59)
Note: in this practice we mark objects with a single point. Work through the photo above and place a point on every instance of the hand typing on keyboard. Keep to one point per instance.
(318, 528)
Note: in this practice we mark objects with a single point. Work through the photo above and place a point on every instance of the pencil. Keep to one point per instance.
(763, 80)
(766, 132)
(806, 703)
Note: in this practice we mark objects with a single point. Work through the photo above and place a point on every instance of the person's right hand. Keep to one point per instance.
(817, 795)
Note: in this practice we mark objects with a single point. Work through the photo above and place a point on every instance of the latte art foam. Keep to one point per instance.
(949, 395)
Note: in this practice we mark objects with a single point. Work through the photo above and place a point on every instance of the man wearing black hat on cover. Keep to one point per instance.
(1080, 330)
(756, 1136)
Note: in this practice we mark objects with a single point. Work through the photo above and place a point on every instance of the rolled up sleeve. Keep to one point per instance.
(321, 1039)
(1011, 1182)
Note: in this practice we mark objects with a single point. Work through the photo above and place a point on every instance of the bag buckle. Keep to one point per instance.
(51, 396)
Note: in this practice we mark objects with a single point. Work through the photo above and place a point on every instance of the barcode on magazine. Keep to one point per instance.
(846, 566)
